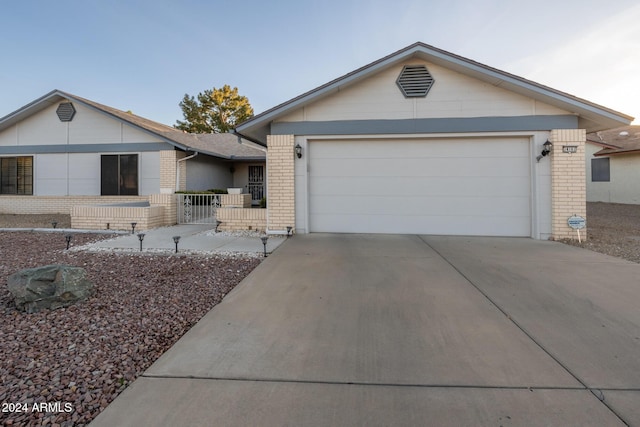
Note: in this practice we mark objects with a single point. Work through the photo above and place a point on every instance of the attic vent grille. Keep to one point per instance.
(415, 81)
(65, 112)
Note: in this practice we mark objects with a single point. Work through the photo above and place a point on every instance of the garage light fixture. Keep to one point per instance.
(546, 149)
(298, 151)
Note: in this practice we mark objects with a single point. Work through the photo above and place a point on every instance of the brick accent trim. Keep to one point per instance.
(280, 182)
(568, 182)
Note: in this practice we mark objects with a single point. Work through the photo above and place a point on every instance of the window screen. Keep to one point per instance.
(600, 171)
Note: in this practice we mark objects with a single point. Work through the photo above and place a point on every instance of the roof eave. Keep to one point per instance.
(596, 116)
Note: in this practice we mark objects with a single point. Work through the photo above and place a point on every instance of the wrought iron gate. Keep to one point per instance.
(197, 208)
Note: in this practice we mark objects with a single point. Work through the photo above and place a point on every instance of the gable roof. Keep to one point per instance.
(592, 117)
(224, 146)
(622, 140)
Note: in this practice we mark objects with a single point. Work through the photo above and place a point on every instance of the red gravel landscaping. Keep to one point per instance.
(63, 367)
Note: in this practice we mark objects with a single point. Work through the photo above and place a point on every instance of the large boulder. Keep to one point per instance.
(50, 287)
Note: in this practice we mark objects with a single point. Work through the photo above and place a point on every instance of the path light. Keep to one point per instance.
(264, 243)
(54, 224)
(176, 239)
(218, 222)
(141, 238)
(68, 238)
(133, 227)
(289, 231)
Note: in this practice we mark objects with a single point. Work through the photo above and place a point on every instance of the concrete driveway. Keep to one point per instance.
(407, 330)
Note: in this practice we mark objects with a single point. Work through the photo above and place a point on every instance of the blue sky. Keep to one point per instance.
(144, 55)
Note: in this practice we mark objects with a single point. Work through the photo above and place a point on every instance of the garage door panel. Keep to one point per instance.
(417, 206)
(407, 149)
(408, 187)
(463, 187)
(463, 166)
(441, 225)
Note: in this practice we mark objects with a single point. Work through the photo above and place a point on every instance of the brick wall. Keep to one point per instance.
(568, 184)
(116, 217)
(170, 204)
(235, 200)
(242, 219)
(168, 165)
(280, 182)
(58, 204)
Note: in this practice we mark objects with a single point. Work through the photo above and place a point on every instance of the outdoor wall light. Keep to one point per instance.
(176, 239)
(298, 151)
(141, 238)
(264, 243)
(546, 149)
(68, 238)
(54, 224)
(133, 227)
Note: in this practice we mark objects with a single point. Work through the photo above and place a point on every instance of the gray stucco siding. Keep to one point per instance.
(204, 173)
(84, 148)
(426, 125)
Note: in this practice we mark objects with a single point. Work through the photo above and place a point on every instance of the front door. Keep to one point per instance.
(256, 183)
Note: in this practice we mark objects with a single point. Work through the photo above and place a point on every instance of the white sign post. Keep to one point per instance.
(577, 223)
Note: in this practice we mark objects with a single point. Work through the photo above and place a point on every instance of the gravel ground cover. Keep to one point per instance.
(612, 229)
(78, 359)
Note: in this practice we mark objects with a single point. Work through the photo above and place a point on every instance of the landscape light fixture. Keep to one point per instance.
(289, 228)
(264, 243)
(218, 222)
(298, 151)
(133, 227)
(54, 224)
(176, 239)
(68, 238)
(546, 149)
(141, 238)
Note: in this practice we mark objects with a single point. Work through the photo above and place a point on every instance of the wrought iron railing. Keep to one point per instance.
(197, 208)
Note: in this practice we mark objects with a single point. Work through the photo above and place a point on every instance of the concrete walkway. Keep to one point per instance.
(196, 237)
(407, 330)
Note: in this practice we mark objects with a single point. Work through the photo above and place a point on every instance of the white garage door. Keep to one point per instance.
(467, 186)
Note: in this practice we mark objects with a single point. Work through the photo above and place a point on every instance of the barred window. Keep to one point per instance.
(16, 175)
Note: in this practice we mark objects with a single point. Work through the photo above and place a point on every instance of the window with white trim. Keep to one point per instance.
(600, 171)
(16, 175)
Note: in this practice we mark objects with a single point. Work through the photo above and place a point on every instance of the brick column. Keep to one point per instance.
(168, 171)
(280, 182)
(568, 182)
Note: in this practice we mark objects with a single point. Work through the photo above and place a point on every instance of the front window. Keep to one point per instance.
(600, 170)
(16, 175)
(119, 175)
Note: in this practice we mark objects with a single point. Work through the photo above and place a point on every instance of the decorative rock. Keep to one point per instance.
(50, 287)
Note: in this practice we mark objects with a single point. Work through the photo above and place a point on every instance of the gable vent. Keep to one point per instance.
(65, 112)
(414, 81)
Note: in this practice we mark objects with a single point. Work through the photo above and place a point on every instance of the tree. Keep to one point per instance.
(214, 111)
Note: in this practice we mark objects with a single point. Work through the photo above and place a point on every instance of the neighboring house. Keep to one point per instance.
(62, 150)
(613, 165)
(427, 142)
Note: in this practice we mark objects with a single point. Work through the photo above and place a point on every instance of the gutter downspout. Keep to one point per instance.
(178, 168)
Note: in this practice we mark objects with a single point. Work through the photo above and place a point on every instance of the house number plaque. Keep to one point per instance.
(569, 148)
